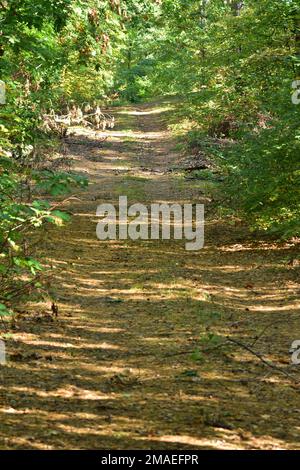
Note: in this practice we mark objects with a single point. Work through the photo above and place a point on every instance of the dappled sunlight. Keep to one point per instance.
(149, 227)
(205, 443)
(156, 110)
(262, 246)
(64, 345)
(118, 136)
(135, 356)
(264, 308)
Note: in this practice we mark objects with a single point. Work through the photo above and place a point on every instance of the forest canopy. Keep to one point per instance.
(233, 66)
(149, 226)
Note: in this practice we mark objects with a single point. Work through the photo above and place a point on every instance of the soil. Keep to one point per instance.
(137, 356)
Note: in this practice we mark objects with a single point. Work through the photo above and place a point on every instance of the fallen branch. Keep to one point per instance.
(61, 123)
(269, 325)
(261, 358)
(60, 203)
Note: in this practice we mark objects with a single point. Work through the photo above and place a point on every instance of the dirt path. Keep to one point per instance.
(109, 373)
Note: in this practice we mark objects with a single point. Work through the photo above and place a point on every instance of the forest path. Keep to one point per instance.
(112, 371)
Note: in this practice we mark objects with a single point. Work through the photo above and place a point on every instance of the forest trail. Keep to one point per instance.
(113, 370)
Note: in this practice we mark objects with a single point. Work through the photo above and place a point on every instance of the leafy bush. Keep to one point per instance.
(232, 65)
(51, 52)
(264, 178)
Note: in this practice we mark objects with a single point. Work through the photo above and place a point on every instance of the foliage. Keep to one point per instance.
(232, 63)
(47, 48)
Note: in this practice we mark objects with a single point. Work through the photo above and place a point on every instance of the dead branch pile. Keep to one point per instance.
(76, 116)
